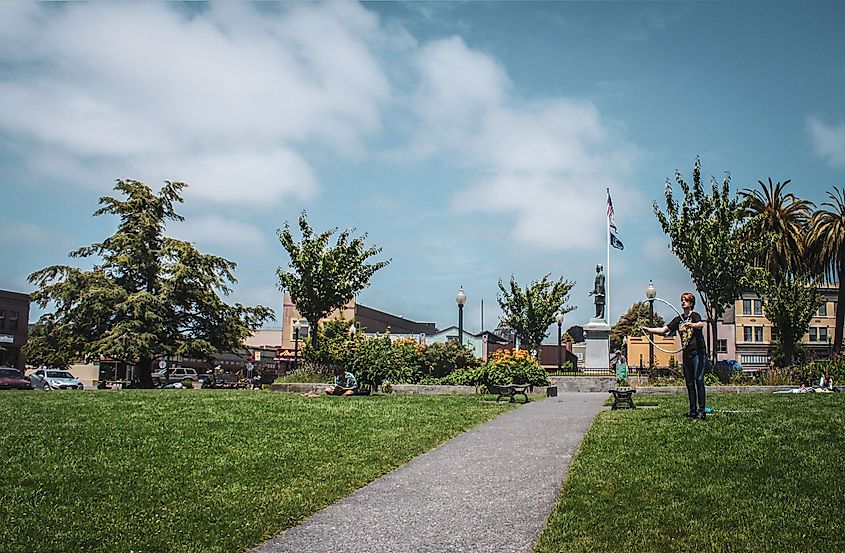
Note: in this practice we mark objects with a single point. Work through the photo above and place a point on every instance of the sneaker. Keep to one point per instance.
(691, 415)
(700, 415)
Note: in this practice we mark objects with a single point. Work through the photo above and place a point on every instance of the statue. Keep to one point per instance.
(598, 292)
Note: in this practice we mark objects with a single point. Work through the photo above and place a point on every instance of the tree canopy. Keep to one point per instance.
(148, 296)
(630, 323)
(323, 278)
(708, 235)
(531, 311)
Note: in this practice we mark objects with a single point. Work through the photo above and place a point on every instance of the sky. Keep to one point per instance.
(470, 141)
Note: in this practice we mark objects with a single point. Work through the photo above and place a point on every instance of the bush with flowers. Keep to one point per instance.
(512, 367)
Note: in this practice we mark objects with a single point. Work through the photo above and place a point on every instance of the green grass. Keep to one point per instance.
(198, 470)
(763, 473)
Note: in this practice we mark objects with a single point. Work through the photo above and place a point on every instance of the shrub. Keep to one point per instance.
(462, 377)
(513, 367)
(303, 374)
(441, 359)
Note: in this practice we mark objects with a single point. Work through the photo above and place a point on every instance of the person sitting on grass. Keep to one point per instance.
(826, 383)
(344, 383)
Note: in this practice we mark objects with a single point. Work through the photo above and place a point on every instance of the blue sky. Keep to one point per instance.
(471, 141)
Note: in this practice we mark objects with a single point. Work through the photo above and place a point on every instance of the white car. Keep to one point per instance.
(54, 379)
(176, 374)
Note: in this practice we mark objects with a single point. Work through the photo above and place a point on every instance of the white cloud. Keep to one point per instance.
(217, 91)
(829, 141)
(216, 230)
(548, 163)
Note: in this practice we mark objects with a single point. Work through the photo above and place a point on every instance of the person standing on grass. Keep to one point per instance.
(689, 325)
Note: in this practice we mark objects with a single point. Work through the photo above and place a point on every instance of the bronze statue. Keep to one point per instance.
(598, 292)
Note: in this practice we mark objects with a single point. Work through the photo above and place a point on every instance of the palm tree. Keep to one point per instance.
(828, 240)
(786, 218)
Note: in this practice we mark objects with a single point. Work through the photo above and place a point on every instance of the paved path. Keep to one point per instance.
(490, 489)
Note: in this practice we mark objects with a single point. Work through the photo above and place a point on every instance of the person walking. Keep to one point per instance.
(689, 325)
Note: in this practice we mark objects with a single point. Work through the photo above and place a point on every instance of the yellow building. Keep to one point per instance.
(638, 351)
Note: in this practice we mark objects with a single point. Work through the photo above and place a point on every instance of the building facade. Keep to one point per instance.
(14, 328)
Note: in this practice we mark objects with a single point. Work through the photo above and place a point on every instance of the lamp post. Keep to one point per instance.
(559, 319)
(829, 345)
(650, 293)
(295, 323)
(461, 299)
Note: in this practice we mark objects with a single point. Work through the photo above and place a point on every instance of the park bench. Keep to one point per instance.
(623, 397)
(510, 391)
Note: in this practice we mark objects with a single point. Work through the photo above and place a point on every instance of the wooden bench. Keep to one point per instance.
(623, 397)
(510, 391)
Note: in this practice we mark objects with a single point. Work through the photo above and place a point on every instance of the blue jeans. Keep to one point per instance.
(694, 378)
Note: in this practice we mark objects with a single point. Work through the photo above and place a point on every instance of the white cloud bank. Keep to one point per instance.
(829, 141)
(228, 96)
(547, 163)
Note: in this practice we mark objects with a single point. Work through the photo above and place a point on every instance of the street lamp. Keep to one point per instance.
(295, 323)
(650, 293)
(461, 299)
(829, 345)
(559, 319)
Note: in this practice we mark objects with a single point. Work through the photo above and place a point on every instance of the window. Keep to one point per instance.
(822, 334)
(823, 310)
(775, 333)
(746, 333)
(753, 359)
(746, 307)
(758, 307)
(758, 333)
(813, 337)
(13, 320)
(2, 319)
(721, 346)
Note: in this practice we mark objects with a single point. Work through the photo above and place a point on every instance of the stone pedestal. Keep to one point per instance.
(597, 336)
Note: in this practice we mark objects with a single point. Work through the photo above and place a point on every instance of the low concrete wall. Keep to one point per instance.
(583, 383)
(666, 390)
(304, 387)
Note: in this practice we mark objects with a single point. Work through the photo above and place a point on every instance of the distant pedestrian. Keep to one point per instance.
(689, 325)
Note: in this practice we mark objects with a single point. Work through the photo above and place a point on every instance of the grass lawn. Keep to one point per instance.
(199, 470)
(764, 473)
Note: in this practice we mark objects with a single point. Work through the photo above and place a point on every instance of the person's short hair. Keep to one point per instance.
(689, 297)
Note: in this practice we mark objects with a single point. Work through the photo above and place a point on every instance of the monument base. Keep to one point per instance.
(597, 338)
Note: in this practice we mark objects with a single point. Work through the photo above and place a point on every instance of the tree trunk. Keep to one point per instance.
(840, 310)
(145, 372)
(314, 332)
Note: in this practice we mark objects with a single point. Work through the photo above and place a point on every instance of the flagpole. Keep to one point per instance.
(607, 285)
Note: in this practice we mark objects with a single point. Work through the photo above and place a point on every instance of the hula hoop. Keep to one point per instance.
(648, 335)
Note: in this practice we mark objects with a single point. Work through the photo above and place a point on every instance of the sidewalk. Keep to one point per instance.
(490, 489)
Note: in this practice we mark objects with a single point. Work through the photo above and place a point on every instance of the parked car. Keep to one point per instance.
(54, 379)
(11, 379)
(176, 374)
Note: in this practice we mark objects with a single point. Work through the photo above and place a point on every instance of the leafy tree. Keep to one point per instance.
(531, 311)
(708, 235)
(150, 295)
(782, 220)
(322, 279)
(332, 348)
(630, 323)
(45, 344)
(790, 305)
(828, 240)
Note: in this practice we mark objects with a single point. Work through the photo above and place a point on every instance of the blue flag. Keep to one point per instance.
(616, 243)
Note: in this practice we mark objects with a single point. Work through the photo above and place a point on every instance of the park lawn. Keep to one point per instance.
(763, 473)
(199, 470)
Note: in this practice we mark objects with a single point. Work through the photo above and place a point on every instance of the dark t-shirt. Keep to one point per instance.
(693, 343)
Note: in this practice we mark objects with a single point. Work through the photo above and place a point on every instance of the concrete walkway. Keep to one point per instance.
(490, 489)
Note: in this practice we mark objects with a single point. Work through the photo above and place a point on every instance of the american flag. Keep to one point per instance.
(614, 240)
(610, 212)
